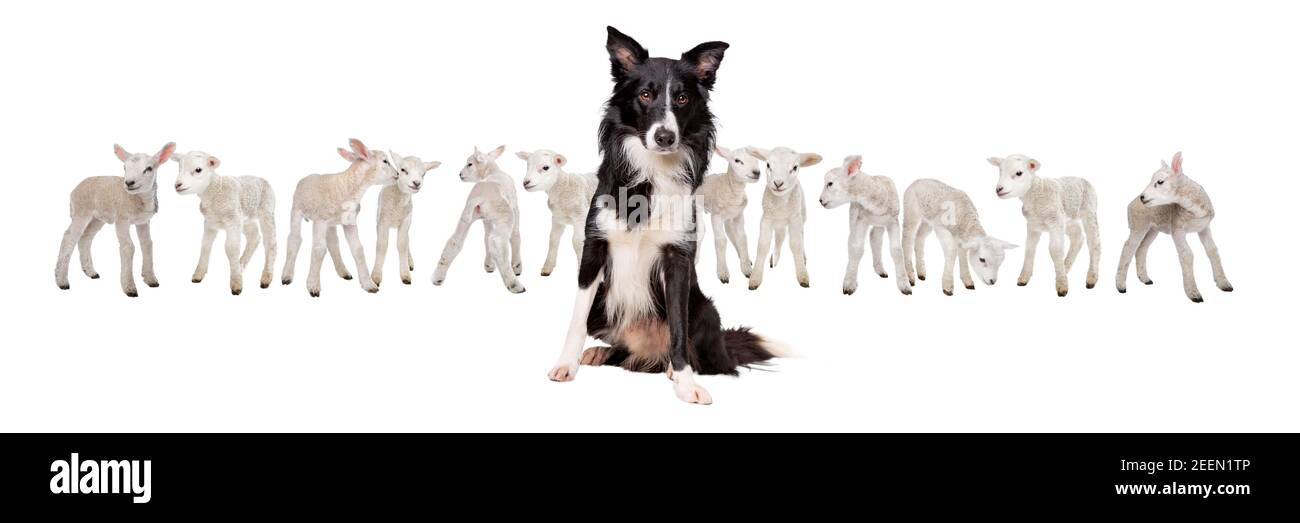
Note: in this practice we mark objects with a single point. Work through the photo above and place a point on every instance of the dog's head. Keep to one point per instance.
(663, 101)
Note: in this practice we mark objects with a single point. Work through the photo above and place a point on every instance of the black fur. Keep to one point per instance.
(695, 335)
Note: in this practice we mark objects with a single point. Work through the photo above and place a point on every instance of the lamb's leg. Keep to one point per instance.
(501, 255)
(232, 255)
(127, 251)
(1031, 250)
(1093, 233)
(796, 249)
(720, 247)
(381, 252)
(764, 245)
(736, 233)
(896, 252)
(1056, 247)
(516, 249)
(404, 251)
(950, 249)
(83, 248)
(857, 234)
(922, 234)
(251, 238)
(332, 243)
(359, 256)
(1212, 251)
(455, 243)
(291, 254)
(146, 254)
(552, 247)
(488, 264)
(1135, 237)
(1142, 256)
(267, 222)
(1185, 260)
(70, 239)
(319, 234)
(963, 262)
(579, 237)
(780, 240)
(877, 252)
(1074, 232)
(205, 249)
(911, 225)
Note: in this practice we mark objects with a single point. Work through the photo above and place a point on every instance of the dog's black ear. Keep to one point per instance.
(625, 54)
(705, 59)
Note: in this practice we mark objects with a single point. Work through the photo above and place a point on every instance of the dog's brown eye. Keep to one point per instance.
(682, 99)
(645, 96)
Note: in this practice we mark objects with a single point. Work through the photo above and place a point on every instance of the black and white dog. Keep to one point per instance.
(637, 289)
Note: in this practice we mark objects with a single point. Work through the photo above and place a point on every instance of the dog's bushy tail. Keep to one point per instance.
(747, 348)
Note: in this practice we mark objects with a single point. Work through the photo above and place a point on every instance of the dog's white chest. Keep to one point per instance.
(633, 256)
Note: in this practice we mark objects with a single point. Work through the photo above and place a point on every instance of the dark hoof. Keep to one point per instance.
(1147, 282)
(347, 276)
(1062, 294)
(920, 277)
(1198, 300)
(803, 284)
(94, 276)
(1229, 289)
(285, 282)
(200, 280)
(724, 280)
(883, 275)
(1090, 285)
(132, 294)
(265, 285)
(1122, 291)
(374, 290)
(971, 287)
(911, 282)
(406, 281)
(65, 287)
(907, 292)
(753, 287)
(947, 292)
(849, 292)
(546, 274)
(314, 294)
(235, 292)
(1022, 283)
(153, 285)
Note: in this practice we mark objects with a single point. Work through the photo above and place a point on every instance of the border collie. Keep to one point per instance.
(637, 288)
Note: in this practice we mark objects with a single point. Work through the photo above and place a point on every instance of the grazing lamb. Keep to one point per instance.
(1057, 206)
(784, 210)
(723, 197)
(567, 195)
(874, 206)
(231, 204)
(494, 201)
(330, 200)
(129, 200)
(932, 205)
(395, 213)
(1175, 205)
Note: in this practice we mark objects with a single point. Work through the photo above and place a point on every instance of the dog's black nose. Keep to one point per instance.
(665, 138)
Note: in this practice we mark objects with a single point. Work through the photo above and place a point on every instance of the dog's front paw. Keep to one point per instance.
(564, 371)
(692, 393)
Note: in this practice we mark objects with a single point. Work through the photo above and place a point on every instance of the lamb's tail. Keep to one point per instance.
(747, 348)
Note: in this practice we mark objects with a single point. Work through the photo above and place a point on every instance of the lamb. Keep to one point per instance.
(567, 195)
(1057, 206)
(329, 200)
(1175, 205)
(784, 210)
(231, 204)
(932, 205)
(874, 206)
(395, 213)
(494, 201)
(723, 197)
(129, 200)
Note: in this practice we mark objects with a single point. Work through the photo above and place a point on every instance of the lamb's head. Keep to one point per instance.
(1163, 189)
(1016, 173)
(741, 163)
(141, 170)
(480, 164)
(836, 191)
(543, 169)
(783, 166)
(372, 166)
(410, 172)
(196, 171)
(986, 255)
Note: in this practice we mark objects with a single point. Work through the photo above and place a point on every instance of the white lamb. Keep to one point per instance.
(1175, 205)
(1057, 206)
(723, 197)
(395, 213)
(125, 201)
(568, 196)
(493, 200)
(231, 204)
(330, 200)
(874, 206)
(932, 205)
(784, 210)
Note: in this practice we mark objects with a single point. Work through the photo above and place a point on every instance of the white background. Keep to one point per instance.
(1103, 90)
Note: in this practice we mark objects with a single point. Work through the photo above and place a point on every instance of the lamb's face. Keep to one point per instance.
(479, 165)
(1161, 189)
(195, 173)
(986, 256)
(381, 169)
(543, 169)
(140, 171)
(1015, 174)
(411, 171)
(783, 167)
(835, 191)
(744, 166)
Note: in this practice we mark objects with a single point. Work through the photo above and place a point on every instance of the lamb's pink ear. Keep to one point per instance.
(213, 162)
(347, 155)
(560, 160)
(722, 151)
(809, 159)
(360, 148)
(496, 153)
(523, 155)
(120, 152)
(164, 153)
(1034, 165)
(1178, 162)
(853, 164)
